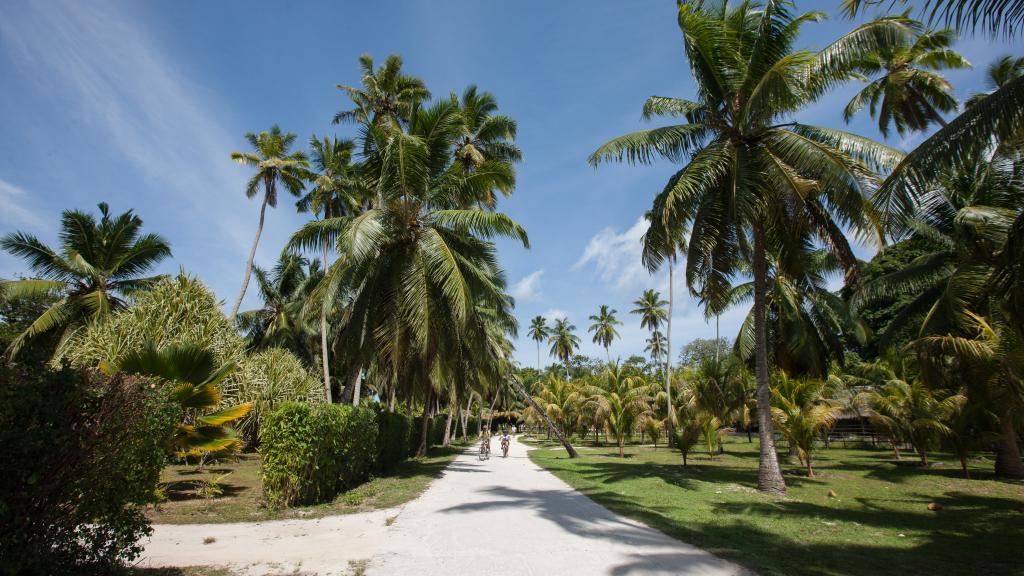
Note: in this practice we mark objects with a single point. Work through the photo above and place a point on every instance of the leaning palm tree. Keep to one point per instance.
(95, 271)
(387, 96)
(603, 327)
(275, 165)
(564, 342)
(909, 94)
(538, 332)
(753, 173)
(619, 400)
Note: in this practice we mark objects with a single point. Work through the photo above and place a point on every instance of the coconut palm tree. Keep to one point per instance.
(802, 412)
(416, 269)
(486, 143)
(335, 191)
(656, 347)
(993, 17)
(95, 271)
(560, 400)
(603, 327)
(909, 94)
(387, 96)
(564, 342)
(275, 166)
(619, 400)
(280, 323)
(538, 332)
(752, 172)
(1000, 73)
(651, 309)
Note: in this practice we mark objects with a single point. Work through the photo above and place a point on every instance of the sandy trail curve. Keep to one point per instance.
(499, 516)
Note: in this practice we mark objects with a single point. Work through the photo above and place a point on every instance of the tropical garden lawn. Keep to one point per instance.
(240, 497)
(878, 523)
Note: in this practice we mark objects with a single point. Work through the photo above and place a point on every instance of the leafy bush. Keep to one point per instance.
(393, 433)
(178, 310)
(311, 452)
(81, 453)
(268, 379)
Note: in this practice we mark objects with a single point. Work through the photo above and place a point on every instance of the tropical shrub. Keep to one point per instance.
(268, 379)
(394, 434)
(81, 453)
(301, 454)
(179, 310)
(313, 451)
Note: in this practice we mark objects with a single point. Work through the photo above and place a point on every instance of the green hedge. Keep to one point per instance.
(312, 452)
(393, 433)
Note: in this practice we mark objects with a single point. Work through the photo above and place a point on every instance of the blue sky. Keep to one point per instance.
(140, 103)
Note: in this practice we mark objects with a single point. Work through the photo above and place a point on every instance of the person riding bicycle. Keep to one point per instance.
(505, 440)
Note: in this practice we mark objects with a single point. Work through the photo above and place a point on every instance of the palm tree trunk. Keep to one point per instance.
(357, 384)
(391, 400)
(248, 263)
(425, 420)
(668, 359)
(323, 336)
(769, 475)
(538, 355)
(448, 426)
(1008, 450)
(547, 419)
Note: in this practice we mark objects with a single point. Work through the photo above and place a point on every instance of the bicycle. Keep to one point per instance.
(485, 449)
(504, 448)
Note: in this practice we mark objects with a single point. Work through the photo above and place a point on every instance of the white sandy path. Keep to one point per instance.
(496, 517)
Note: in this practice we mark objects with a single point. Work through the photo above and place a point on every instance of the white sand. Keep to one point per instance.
(500, 516)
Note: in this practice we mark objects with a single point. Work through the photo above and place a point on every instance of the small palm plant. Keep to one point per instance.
(652, 427)
(687, 427)
(196, 377)
(802, 413)
(619, 400)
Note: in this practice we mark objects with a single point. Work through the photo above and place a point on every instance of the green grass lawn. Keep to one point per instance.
(878, 523)
(241, 500)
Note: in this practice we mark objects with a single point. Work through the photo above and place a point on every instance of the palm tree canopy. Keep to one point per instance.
(97, 268)
(909, 91)
(274, 163)
(603, 327)
(564, 342)
(538, 330)
(387, 95)
(651, 309)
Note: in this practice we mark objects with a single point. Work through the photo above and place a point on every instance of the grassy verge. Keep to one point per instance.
(878, 523)
(242, 491)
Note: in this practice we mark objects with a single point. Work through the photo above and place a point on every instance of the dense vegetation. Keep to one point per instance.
(385, 325)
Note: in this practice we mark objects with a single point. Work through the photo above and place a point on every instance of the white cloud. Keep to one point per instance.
(527, 288)
(555, 314)
(616, 256)
(15, 213)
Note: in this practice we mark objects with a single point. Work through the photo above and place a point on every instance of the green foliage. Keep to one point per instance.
(268, 379)
(79, 460)
(393, 438)
(179, 310)
(312, 452)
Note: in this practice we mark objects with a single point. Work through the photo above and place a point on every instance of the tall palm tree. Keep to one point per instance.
(95, 271)
(417, 270)
(603, 327)
(538, 332)
(335, 192)
(564, 342)
(387, 96)
(752, 172)
(619, 400)
(651, 309)
(910, 93)
(275, 165)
